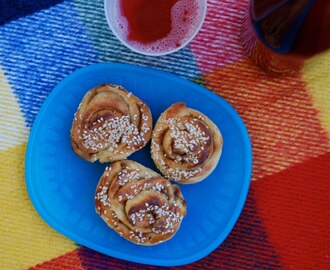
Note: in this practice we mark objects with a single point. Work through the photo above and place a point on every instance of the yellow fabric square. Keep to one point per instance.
(25, 238)
(13, 128)
(316, 73)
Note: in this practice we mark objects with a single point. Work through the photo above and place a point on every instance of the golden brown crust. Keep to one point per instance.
(110, 124)
(138, 203)
(186, 145)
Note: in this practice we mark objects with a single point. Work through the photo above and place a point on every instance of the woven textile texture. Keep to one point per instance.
(286, 219)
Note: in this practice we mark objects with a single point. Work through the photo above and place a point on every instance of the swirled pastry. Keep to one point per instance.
(138, 203)
(186, 145)
(110, 124)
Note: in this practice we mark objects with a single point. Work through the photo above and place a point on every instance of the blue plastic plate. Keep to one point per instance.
(61, 185)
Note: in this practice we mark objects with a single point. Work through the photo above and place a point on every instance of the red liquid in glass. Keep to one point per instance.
(314, 34)
(280, 34)
(300, 27)
(159, 25)
(148, 20)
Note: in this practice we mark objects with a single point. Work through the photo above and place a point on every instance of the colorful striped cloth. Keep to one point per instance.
(285, 222)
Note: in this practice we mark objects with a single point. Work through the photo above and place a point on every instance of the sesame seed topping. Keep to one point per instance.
(147, 217)
(102, 196)
(109, 133)
(148, 175)
(124, 176)
(189, 141)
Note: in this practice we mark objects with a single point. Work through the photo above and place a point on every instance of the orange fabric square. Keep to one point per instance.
(278, 112)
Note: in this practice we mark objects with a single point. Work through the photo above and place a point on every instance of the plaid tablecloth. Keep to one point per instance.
(285, 222)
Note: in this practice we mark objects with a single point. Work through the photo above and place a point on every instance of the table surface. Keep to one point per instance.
(285, 222)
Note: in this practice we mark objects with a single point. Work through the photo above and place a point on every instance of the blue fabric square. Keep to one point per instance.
(13, 9)
(38, 51)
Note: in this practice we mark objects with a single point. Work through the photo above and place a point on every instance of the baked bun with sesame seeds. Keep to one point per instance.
(185, 145)
(138, 203)
(110, 124)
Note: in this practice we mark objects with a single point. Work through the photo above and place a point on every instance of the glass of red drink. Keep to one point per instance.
(278, 35)
(155, 27)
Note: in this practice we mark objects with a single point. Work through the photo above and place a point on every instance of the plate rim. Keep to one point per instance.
(131, 257)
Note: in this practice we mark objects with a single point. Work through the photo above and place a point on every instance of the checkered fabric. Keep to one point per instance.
(285, 222)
